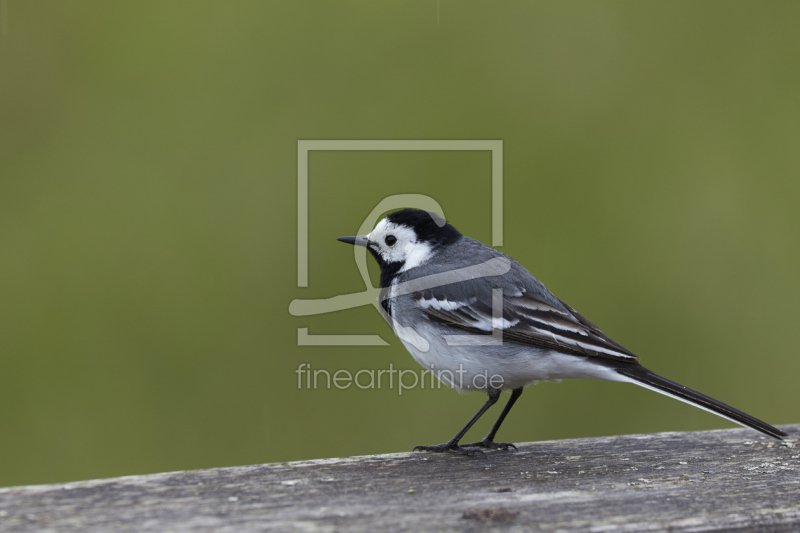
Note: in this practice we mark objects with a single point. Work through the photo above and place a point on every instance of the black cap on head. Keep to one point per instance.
(429, 226)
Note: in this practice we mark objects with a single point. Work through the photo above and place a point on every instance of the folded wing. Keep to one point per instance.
(522, 318)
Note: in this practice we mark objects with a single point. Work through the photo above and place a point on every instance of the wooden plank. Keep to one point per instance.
(731, 480)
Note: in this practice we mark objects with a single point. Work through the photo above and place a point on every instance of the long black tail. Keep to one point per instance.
(653, 381)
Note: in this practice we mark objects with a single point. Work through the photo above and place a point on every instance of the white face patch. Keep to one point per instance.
(406, 249)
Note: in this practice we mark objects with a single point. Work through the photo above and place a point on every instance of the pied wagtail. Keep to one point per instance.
(479, 321)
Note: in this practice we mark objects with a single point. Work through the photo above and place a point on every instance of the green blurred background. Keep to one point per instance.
(148, 214)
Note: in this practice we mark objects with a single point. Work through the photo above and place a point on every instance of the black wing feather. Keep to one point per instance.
(530, 321)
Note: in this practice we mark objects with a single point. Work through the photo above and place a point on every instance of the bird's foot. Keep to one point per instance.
(448, 447)
(491, 445)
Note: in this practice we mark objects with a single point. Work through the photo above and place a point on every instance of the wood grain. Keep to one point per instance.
(730, 480)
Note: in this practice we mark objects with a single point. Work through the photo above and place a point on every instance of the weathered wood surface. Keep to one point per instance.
(731, 480)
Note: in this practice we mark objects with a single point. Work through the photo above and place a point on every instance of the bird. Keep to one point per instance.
(479, 321)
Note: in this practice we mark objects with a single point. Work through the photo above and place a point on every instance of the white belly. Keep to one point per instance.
(508, 366)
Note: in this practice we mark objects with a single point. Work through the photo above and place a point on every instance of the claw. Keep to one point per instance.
(491, 445)
(448, 448)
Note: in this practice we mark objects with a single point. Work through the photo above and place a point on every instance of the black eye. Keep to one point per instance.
(390, 240)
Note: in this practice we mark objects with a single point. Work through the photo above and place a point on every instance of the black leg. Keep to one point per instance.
(488, 440)
(452, 444)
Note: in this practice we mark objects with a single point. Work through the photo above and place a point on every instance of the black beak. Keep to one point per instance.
(360, 240)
